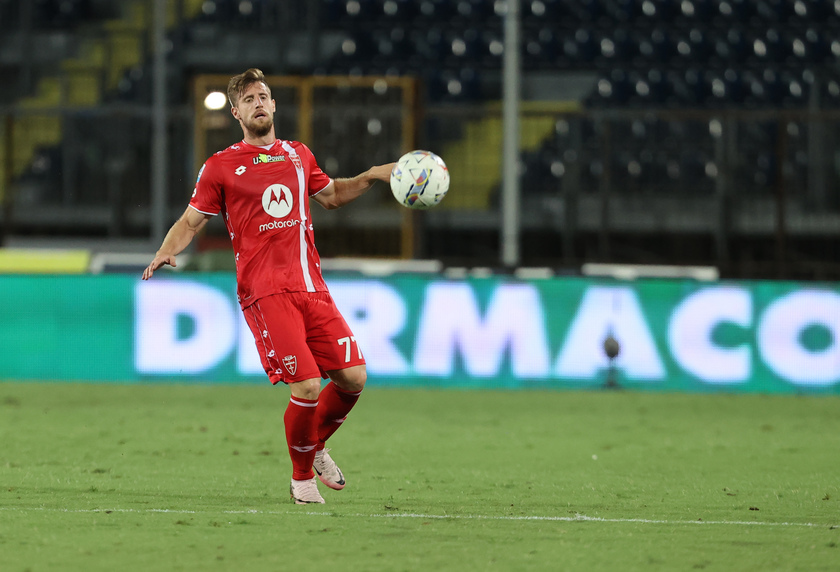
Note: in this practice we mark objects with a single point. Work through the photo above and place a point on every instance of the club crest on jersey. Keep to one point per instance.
(296, 160)
(290, 362)
(263, 158)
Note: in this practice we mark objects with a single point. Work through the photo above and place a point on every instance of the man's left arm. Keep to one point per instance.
(342, 191)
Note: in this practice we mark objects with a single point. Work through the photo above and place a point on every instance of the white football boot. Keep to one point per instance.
(305, 492)
(327, 470)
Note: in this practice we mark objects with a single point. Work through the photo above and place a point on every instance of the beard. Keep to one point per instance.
(260, 127)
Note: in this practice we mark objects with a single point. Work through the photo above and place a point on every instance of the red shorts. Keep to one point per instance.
(301, 335)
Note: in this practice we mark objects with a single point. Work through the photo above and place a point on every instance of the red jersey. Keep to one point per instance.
(263, 196)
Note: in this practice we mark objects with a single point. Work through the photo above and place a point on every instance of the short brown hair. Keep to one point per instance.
(239, 83)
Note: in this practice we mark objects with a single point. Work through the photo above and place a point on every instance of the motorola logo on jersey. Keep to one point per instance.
(279, 224)
(277, 200)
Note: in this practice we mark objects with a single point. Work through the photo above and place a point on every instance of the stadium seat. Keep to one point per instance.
(359, 13)
(661, 47)
(583, 47)
(436, 11)
(540, 12)
(249, 13)
(618, 46)
(331, 14)
(830, 93)
(732, 46)
(59, 13)
(217, 11)
(396, 12)
(661, 91)
(735, 11)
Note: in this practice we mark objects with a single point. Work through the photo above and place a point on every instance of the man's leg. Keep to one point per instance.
(302, 439)
(337, 399)
(334, 403)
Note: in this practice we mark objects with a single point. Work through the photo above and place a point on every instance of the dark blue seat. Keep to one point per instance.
(661, 90)
(491, 51)
(331, 13)
(697, 90)
(9, 14)
(359, 12)
(582, 48)
(453, 86)
(774, 11)
(830, 93)
(611, 90)
(774, 88)
(542, 12)
(695, 11)
(589, 11)
(736, 11)
(465, 46)
(796, 90)
(436, 11)
(662, 46)
(545, 46)
(251, 14)
(396, 12)
(477, 12)
(624, 45)
(59, 13)
(622, 11)
(395, 44)
(692, 46)
(725, 88)
(736, 46)
(430, 44)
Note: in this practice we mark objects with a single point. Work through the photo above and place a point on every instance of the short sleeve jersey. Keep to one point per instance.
(263, 196)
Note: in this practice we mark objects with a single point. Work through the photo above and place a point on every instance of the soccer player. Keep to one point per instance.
(261, 187)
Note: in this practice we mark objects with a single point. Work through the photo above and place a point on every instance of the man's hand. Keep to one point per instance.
(177, 239)
(381, 172)
(159, 261)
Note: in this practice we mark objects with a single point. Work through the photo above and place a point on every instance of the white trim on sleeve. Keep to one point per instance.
(202, 212)
(325, 187)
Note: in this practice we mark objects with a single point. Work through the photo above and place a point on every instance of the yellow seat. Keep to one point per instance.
(474, 163)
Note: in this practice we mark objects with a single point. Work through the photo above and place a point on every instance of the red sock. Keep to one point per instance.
(301, 436)
(333, 406)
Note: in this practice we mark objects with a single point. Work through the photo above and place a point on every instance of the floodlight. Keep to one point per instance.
(215, 100)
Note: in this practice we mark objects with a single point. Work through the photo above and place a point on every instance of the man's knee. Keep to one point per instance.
(306, 389)
(351, 379)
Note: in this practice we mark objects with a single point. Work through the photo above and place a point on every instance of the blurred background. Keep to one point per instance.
(687, 132)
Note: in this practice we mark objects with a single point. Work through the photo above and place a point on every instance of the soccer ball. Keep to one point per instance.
(419, 180)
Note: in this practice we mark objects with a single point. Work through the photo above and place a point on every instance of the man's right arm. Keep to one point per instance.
(177, 239)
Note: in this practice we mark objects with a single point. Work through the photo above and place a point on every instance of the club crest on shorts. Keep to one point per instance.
(291, 364)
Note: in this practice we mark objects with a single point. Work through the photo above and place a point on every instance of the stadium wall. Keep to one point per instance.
(424, 330)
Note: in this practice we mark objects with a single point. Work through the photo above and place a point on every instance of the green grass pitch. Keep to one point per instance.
(188, 477)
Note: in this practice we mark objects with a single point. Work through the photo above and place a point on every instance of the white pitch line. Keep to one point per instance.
(575, 518)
